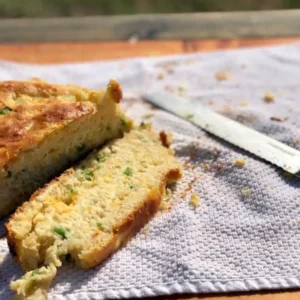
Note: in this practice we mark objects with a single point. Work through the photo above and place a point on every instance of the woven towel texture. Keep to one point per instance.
(244, 235)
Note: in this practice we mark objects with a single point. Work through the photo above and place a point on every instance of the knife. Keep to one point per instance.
(231, 131)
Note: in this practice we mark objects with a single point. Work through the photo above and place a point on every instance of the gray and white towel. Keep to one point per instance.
(245, 234)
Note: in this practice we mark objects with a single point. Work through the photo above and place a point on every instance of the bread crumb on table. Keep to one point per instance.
(195, 200)
(240, 162)
(222, 76)
(246, 192)
(244, 103)
(189, 187)
(146, 231)
(169, 69)
(147, 116)
(276, 119)
(181, 93)
(182, 87)
(161, 76)
(269, 97)
(189, 116)
(165, 205)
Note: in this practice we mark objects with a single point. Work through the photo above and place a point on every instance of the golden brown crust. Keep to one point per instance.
(27, 125)
(130, 226)
(174, 175)
(36, 108)
(11, 243)
(116, 90)
(33, 88)
(164, 139)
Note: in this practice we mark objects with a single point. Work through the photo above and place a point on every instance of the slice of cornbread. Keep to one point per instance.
(45, 127)
(90, 210)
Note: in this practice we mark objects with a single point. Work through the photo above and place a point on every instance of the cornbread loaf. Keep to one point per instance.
(90, 210)
(45, 127)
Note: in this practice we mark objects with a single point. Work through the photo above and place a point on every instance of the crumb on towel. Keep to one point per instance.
(222, 76)
(269, 97)
(161, 75)
(195, 200)
(240, 162)
(246, 192)
(244, 103)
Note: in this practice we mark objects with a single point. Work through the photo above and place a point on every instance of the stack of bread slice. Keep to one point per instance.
(94, 207)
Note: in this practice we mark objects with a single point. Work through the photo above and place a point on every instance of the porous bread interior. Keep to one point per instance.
(82, 212)
(35, 166)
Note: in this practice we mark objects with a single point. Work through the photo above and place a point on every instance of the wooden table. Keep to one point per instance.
(43, 53)
(89, 51)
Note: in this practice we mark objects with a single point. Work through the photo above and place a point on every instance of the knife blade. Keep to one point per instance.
(229, 130)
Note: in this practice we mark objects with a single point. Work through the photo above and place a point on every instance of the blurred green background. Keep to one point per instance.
(60, 8)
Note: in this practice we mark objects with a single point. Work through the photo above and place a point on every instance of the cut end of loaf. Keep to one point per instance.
(94, 208)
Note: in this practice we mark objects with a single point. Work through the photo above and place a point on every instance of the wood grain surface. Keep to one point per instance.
(279, 23)
(292, 295)
(81, 52)
(90, 51)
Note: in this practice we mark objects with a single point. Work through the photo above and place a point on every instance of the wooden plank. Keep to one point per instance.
(292, 295)
(82, 52)
(215, 45)
(224, 25)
